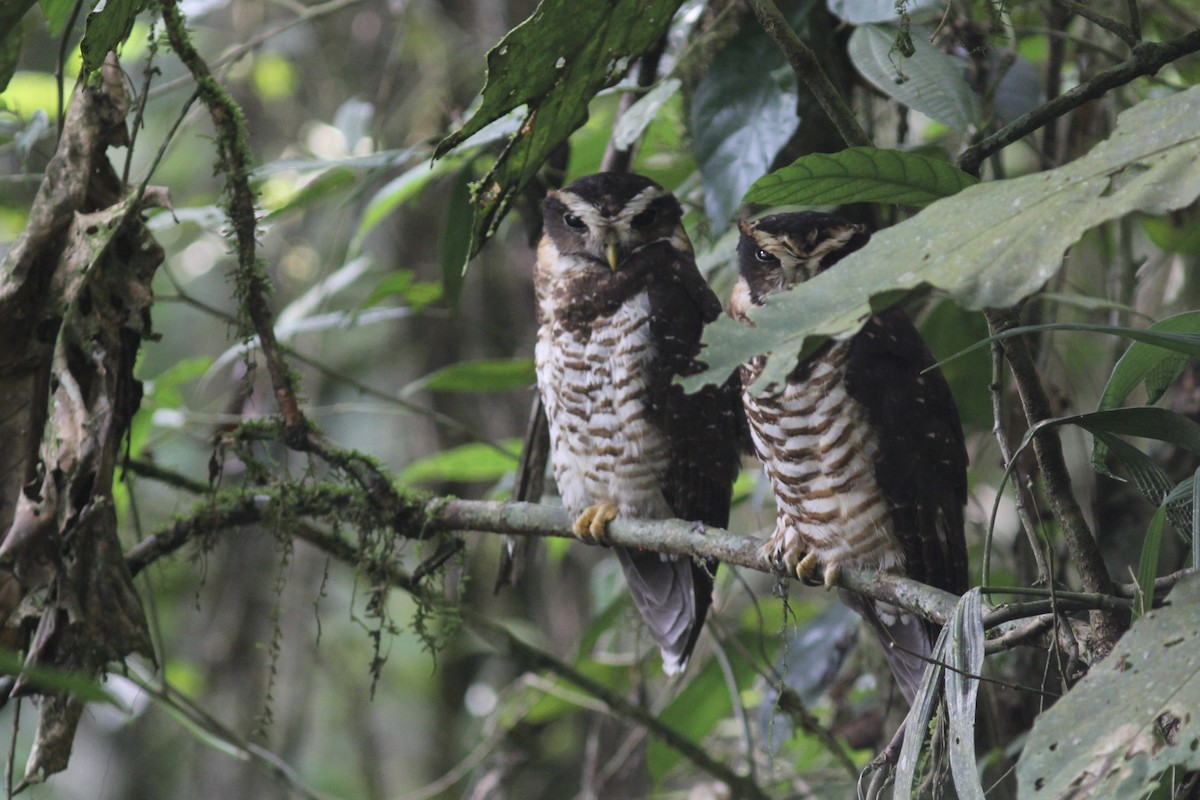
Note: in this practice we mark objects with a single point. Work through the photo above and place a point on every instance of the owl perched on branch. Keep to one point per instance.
(863, 447)
(621, 307)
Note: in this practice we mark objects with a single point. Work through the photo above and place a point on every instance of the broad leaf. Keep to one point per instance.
(929, 81)
(57, 12)
(1102, 740)
(107, 29)
(989, 246)
(554, 62)
(456, 241)
(742, 112)
(860, 175)
(638, 116)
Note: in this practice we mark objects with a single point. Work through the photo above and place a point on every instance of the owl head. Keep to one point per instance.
(777, 252)
(599, 221)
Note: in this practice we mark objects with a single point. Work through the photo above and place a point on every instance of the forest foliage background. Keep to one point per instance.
(319, 369)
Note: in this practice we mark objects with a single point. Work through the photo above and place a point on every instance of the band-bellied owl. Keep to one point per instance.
(621, 307)
(864, 449)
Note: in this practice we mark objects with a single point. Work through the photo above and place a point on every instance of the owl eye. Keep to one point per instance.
(764, 256)
(573, 221)
(645, 218)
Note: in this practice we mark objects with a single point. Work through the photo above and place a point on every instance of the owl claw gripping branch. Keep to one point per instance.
(621, 307)
(862, 446)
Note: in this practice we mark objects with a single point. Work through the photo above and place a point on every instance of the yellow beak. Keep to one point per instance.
(610, 252)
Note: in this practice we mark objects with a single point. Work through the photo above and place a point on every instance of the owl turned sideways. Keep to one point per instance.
(863, 448)
(621, 306)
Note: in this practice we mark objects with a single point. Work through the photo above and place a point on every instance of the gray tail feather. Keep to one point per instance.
(672, 595)
(905, 638)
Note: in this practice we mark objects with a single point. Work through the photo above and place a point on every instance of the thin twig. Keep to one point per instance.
(810, 73)
(60, 63)
(503, 640)
(1147, 59)
(1113, 26)
(1006, 455)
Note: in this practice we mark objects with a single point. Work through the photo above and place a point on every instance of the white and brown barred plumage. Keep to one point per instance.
(863, 448)
(621, 307)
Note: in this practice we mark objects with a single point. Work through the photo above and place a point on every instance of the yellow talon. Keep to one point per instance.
(811, 572)
(591, 524)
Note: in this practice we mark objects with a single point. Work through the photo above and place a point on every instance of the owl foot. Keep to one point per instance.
(591, 524)
(811, 571)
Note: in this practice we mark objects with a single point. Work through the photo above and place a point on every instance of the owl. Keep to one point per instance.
(621, 306)
(863, 446)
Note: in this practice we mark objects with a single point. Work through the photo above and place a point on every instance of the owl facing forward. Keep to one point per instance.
(862, 446)
(621, 306)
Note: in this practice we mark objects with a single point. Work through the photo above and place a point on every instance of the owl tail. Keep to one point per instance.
(905, 638)
(672, 595)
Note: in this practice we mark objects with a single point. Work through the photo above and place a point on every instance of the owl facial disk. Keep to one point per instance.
(604, 219)
(777, 252)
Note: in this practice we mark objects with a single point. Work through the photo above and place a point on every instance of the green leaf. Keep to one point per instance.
(402, 284)
(1157, 367)
(465, 464)
(500, 375)
(12, 36)
(638, 116)
(395, 193)
(554, 62)
(1101, 740)
(1176, 234)
(57, 13)
(1147, 569)
(988, 246)
(456, 241)
(742, 112)
(701, 704)
(860, 175)
(107, 29)
(929, 81)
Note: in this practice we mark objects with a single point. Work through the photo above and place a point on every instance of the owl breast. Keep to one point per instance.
(819, 452)
(594, 382)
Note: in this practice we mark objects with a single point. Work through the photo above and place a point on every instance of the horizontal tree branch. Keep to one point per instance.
(1147, 59)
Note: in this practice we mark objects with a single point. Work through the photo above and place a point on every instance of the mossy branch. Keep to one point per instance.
(235, 161)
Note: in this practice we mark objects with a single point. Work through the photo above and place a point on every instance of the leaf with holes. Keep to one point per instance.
(554, 63)
(1102, 739)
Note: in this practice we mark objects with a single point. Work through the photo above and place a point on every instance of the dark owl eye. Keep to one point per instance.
(573, 221)
(764, 256)
(645, 218)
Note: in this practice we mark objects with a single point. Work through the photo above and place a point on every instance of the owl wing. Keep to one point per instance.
(703, 428)
(922, 459)
(673, 594)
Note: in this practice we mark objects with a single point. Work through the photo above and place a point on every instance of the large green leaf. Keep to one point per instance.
(742, 112)
(107, 29)
(860, 175)
(554, 62)
(1102, 740)
(988, 246)
(928, 81)
(11, 37)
